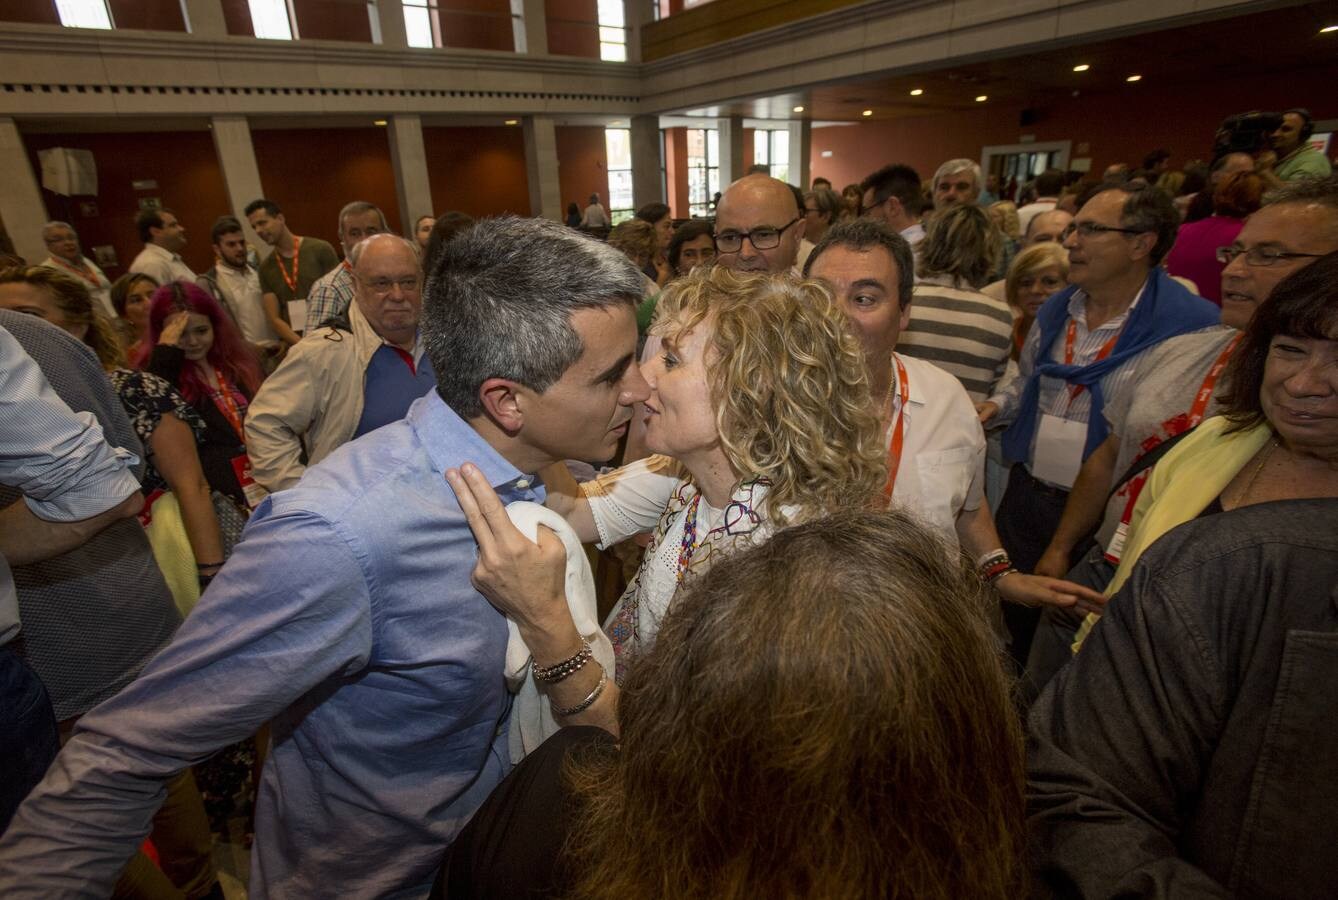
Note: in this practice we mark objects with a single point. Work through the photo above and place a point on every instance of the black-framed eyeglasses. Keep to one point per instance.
(763, 238)
(1092, 229)
(1260, 256)
(865, 210)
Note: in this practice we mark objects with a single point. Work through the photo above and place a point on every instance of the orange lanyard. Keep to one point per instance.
(1206, 389)
(85, 274)
(226, 401)
(290, 280)
(1069, 337)
(898, 427)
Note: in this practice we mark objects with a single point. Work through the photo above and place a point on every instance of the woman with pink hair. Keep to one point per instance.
(194, 345)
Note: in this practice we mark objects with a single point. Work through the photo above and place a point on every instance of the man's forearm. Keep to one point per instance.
(27, 538)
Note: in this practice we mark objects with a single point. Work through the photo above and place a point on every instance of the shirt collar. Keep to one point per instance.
(451, 442)
(160, 251)
(1077, 308)
(917, 388)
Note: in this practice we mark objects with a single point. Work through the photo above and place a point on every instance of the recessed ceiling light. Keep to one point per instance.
(1133, 78)
(982, 98)
(1081, 67)
(513, 121)
(867, 112)
(380, 122)
(917, 92)
(798, 109)
(1327, 29)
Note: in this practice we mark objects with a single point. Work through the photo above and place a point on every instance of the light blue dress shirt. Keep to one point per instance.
(346, 617)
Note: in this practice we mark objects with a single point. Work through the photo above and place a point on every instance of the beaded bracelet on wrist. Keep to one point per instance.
(555, 673)
(585, 704)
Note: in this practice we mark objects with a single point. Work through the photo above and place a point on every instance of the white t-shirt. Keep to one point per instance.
(942, 468)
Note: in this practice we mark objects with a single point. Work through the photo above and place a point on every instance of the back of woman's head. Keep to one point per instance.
(961, 242)
(77, 307)
(1004, 214)
(1239, 195)
(822, 716)
(229, 354)
(635, 239)
(788, 385)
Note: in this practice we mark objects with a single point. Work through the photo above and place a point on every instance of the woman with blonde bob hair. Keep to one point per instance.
(759, 416)
(1036, 273)
(774, 743)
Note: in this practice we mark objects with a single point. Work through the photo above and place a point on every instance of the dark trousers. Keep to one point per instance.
(1052, 644)
(1027, 518)
(29, 738)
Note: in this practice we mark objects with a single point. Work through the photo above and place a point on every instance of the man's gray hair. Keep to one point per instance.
(1323, 191)
(359, 248)
(499, 301)
(865, 234)
(953, 166)
(53, 225)
(359, 206)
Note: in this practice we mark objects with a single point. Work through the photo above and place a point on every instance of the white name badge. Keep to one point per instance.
(1059, 446)
(297, 315)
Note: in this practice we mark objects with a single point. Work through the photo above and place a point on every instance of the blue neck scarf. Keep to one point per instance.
(1166, 309)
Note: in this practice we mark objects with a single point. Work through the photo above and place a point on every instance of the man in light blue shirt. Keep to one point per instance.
(346, 616)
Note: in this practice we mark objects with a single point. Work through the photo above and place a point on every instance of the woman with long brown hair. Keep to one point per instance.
(800, 730)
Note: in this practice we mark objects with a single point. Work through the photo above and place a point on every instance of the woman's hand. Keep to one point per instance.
(1038, 590)
(173, 327)
(525, 580)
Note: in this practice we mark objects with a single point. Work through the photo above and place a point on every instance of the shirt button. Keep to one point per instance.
(522, 483)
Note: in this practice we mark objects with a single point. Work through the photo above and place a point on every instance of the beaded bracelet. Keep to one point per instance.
(585, 704)
(570, 665)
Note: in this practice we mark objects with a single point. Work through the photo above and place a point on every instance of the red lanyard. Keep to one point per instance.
(290, 280)
(1176, 425)
(898, 427)
(225, 399)
(84, 273)
(1070, 336)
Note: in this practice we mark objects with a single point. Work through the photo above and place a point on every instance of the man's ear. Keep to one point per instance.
(500, 399)
(1144, 243)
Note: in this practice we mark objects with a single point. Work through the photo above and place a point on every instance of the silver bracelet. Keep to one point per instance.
(568, 666)
(585, 704)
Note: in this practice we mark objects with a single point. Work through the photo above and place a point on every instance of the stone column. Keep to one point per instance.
(388, 22)
(409, 158)
(636, 13)
(204, 18)
(21, 206)
(734, 155)
(647, 186)
(801, 144)
(541, 167)
(241, 174)
(529, 26)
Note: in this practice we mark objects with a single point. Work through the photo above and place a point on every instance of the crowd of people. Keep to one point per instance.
(983, 541)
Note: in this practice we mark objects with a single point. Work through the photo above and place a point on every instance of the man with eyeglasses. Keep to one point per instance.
(893, 196)
(1173, 388)
(347, 377)
(758, 226)
(1082, 351)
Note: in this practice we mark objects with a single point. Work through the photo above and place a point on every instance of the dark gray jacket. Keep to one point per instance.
(1191, 748)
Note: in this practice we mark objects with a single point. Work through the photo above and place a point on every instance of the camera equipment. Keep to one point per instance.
(1245, 133)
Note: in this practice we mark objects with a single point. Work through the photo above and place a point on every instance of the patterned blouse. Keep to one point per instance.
(146, 398)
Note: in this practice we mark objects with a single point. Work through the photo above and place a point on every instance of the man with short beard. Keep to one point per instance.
(235, 284)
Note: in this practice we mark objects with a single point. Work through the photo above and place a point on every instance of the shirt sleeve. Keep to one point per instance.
(1009, 395)
(276, 421)
(630, 500)
(254, 645)
(58, 459)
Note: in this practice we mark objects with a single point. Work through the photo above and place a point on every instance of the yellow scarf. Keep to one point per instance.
(1181, 486)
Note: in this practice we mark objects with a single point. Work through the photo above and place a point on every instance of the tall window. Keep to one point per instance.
(422, 25)
(612, 31)
(772, 149)
(272, 19)
(703, 169)
(84, 13)
(618, 143)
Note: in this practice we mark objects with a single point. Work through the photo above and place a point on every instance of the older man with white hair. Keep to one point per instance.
(331, 295)
(62, 243)
(349, 376)
(956, 181)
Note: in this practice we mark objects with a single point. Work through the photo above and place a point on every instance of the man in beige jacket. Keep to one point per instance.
(347, 378)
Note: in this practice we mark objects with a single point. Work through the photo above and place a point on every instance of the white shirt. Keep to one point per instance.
(242, 288)
(913, 234)
(90, 276)
(942, 470)
(161, 265)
